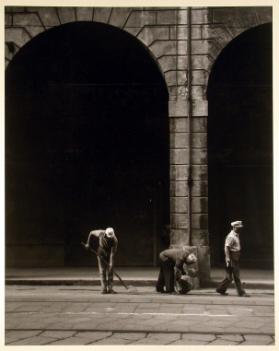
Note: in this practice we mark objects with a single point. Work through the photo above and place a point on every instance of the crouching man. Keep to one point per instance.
(171, 267)
(106, 249)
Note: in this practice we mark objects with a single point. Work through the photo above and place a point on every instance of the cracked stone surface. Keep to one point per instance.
(64, 316)
(109, 338)
(200, 337)
(16, 335)
(232, 337)
(257, 340)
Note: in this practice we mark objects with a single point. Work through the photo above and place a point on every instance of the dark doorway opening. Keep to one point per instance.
(240, 147)
(87, 145)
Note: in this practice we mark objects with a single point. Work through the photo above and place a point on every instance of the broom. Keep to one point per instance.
(129, 288)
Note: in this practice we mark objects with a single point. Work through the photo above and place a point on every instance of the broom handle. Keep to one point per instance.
(114, 272)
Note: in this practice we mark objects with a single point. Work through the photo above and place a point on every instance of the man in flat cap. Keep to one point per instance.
(171, 267)
(107, 246)
(232, 254)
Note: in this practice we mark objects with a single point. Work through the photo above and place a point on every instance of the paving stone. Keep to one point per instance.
(257, 339)
(14, 335)
(250, 323)
(151, 305)
(232, 337)
(112, 341)
(190, 342)
(202, 337)
(158, 339)
(163, 336)
(30, 307)
(71, 341)
(196, 302)
(57, 334)
(130, 336)
(11, 306)
(223, 342)
(204, 328)
(147, 341)
(57, 307)
(36, 340)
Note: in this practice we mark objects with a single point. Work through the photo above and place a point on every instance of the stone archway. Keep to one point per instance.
(89, 135)
(240, 146)
(165, 32)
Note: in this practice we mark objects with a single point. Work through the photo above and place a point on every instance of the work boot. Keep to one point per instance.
(223, 293)
(104, 288)
(160, 289)
(111, 291)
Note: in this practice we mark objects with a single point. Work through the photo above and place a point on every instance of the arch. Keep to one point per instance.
(240, 145)
(24, 24)
(224, 33)
(89, 135)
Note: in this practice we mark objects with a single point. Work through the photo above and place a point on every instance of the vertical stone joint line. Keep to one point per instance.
(126, 20)
(41, 20)
(176, 51)
(189, 110)
(110, 14)
(58, 16)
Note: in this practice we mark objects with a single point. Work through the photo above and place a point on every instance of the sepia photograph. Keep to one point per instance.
(139, 186)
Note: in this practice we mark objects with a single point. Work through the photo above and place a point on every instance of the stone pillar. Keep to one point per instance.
(179, 152)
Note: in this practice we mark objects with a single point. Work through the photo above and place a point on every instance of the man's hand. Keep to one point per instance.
(86, 246)
(192, 272)
(228, 262)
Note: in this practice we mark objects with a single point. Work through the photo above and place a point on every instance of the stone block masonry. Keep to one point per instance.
(164, 31)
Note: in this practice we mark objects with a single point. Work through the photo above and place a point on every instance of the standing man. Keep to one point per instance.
(107, 246)
(232, 255)
(171, 267)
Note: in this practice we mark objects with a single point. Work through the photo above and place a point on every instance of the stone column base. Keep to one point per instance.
(203, 264)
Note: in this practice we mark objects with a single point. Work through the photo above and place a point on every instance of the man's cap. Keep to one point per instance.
(109, 231)
(192, 257)
(237, 224)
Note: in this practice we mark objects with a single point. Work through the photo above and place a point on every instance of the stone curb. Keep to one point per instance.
(139, 282)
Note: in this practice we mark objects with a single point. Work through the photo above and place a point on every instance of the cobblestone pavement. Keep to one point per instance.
(64, 315)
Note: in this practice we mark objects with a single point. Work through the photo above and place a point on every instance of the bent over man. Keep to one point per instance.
(232, 255)
(107, 247)
(171, 267)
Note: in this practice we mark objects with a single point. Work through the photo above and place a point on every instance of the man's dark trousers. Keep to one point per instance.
(166, 276)
(232, 272)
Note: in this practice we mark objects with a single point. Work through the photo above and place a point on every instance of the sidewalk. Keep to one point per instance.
(138, 276)
(81, 315)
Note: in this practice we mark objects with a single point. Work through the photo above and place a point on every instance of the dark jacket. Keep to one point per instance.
(177, 257)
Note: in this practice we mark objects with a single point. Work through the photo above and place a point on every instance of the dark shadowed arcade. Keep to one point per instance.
(240, 146)
(87, 146)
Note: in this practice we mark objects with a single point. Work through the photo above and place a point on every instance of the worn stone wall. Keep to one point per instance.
(164, 31)
(224, 24)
